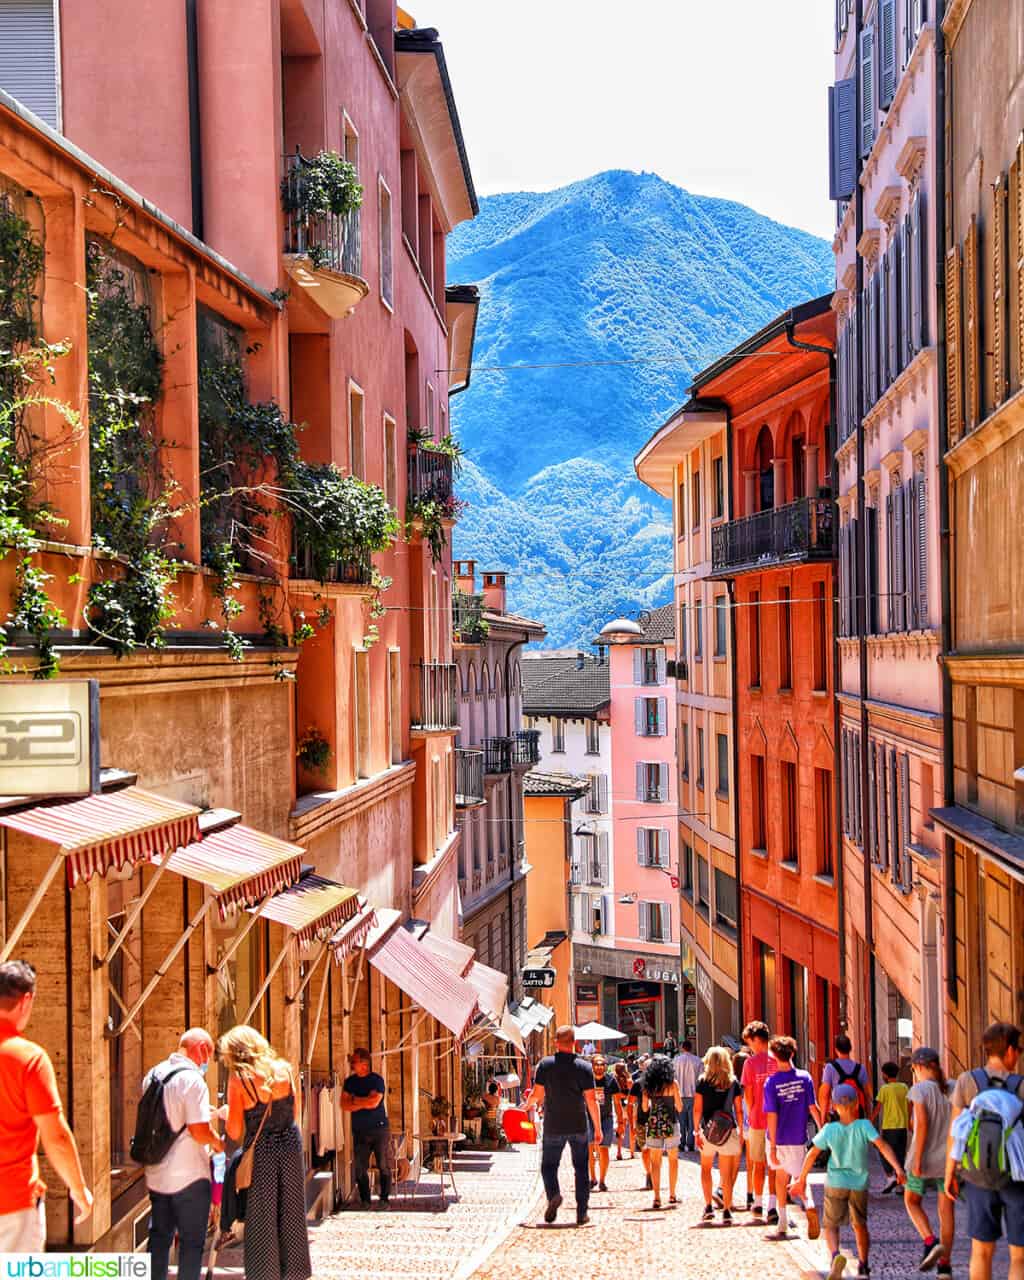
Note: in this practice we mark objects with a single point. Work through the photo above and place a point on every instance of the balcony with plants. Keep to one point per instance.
(338, 522)
(469, 626)
(431, 505)
(792, 534)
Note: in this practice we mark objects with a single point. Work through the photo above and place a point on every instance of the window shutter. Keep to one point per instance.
(910, 554)
(867, 89)
(905, 819)
(842, 346)
(638, 666)
(883, 807)
(606, 912)
(602, 855)
(575, 875)
(872, 805)
(890, 537)
(954, 353)
(602, 792)
(663, 852)
(858, 794)
(867, 373)
(643, 919)
(1000, 380)
(898, 585)
(638, 715)
(919, 275)
(894, 817)
(641, 846)
(666, 917)
(1017, 256)
(887, 52)
(871, 571)
(843, 577)
(660, 659)
(640, 782)
(882, 276)
(921, 551)
(842, 132)
(662, 716)
(972, 329)
(907, 251)
(663, 783)
(28, 56)
(896, 318)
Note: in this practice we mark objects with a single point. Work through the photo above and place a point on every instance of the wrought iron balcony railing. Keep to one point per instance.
(353, 572)
(497, 755)
(468, 625)
(526, 748)
(469, 777)
(801, 530)
(434, 696)
(430, 475)
(331, 240)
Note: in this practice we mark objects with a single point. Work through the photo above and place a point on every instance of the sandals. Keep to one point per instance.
(656, 1204)
(672, 1200)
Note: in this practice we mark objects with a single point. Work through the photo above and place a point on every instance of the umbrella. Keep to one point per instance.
(597, 1031)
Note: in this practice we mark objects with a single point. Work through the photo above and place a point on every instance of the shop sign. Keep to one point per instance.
(586, 993)
(538, 977)
(704, 986)
(49, 738)
(639, 967)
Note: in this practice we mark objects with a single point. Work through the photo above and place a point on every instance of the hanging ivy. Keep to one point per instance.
(432, 514)
(338, 519)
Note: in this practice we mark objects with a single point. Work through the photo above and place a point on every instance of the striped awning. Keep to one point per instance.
(491, 987)
(530, 1015)
(455, 954)
(239, 864)
(428, 981)
(352, 933)
(109, 831)
(313, 908)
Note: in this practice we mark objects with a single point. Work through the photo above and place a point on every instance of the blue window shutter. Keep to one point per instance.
(639, 722)
(842, 113)
(867, 89)
(887, 52)
(638, 666)
(662, 716)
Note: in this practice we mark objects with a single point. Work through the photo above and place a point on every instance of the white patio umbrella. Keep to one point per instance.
(598, 1031)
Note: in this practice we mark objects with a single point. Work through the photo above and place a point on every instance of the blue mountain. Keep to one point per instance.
(621, 286)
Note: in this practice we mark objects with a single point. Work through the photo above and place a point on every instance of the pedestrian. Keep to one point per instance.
(844, 1069)
(995, 1200)
(564, 1086)
(892, 1110)
(638, 1119)
(671, 1046)
(30, 1113)
(605, 1089)
(717, 1125)
(756, 1070)
(687, 1067)
(739, 1061)
(263, 1102)
(930, 1113)
(662, 1102)
(589, 1049)
(789, 1101)
(623, 1129)
(848, 1141)
(362, 1097)
(179, 1181)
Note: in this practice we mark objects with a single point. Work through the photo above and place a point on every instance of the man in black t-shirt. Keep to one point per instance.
(362, 1097)
(564, 1086)
(605, 1089)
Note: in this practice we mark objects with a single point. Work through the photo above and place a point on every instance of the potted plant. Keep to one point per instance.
(338, 522)
(313, 751)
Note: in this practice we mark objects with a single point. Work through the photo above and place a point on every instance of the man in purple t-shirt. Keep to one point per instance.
(788, 1101)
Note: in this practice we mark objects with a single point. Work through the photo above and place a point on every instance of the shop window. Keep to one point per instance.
(766, 982)
(797, 994)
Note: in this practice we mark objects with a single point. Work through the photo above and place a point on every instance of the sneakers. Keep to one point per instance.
(930, 1254)
(945, 1271)
(772, 1217)
(709, 1213)
(726, 1217)
(890, 1187)
(837, 1268)
(552, 1210)
(813, 1222)
(582, 1219)
(863, 1269)
(717, 1196)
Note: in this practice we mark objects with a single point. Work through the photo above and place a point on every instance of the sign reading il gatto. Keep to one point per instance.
(49, 737)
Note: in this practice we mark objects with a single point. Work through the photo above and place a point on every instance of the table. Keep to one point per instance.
(449, 1140)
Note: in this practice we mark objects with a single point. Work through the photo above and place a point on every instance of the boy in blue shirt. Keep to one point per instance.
(847, 1140)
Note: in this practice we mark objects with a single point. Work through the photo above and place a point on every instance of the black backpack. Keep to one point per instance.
(154, 1136)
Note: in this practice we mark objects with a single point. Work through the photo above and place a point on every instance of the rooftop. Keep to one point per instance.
(554, 784)
(652, 626)
(577, 685)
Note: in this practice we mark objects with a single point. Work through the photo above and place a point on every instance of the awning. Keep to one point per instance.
(354, 931)
(313, 908)
(455, 954)
(109, 831)
(491, 988)
(428, 981)
(530, 1015)
(239, 864)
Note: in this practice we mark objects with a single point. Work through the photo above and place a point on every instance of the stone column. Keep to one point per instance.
(779, 479)
(749, 493)
(811, 470)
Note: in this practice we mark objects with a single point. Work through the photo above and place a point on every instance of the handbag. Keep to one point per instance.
(243, 1170)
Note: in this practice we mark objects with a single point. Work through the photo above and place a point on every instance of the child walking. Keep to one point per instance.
(848, 1141)
(892, 1117)
(926, 1163)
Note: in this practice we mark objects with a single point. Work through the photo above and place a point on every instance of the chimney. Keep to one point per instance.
(465, 576)
(494, 592)
(580, 661)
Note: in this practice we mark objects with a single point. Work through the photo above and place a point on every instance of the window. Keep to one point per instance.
(785, 640)
(558, 736)
(820, 672)
(356, 432)
(754, 631)
(650, 667)
(700, 758)
(722, 781)
(759, 827)
(718, 478)
(385, 241)
(395, 705)
(391, 461)
(597, 796)
(362, 701)
(681, 510)
(696, 499)
(594, 858)
(683, 648)
(698, 632)
(652, 848)
(650, 717)
(766, 974)
(684, 749)
(430, 409)
(352, 256)
(593, 738)
(823, 821)
(790, 830)
(28, 57)
(796, 994)
(686, 871)
(703, 887)
(655, 920)
(721, 614)
(726, 902)
(651, 782)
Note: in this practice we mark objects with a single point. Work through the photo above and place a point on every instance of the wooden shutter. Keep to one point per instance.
(575, 876)
(1017, 257)
(918, 275)
(890, 539)
(910, 553)
(845, 741)
(662, 717)
(663, 782)
(921, 551)
(666, 920)
(886, 52)
(871, 624)
(602, 855)
(641, 846)
(972, 329)
(844, 576)
(898, 585)
(883, 807)
(882, 274)
(905, 858)
(894, 816)
(907, 251)
(842, 133)
(644, 919)
(1000, 374)
(876, 334)
(661, 663)
(638, 666)
(28, 56)
(867, 89)
(663, 848)
(872, 804)
(602, 792)
(640, 782)
(858, 793)
(954, 351)
(639, 714)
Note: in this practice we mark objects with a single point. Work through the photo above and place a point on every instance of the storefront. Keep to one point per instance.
(636, 993)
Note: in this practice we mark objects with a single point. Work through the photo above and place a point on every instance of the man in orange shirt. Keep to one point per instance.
(30, 1110)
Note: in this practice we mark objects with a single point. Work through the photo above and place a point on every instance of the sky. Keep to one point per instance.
(725, 99)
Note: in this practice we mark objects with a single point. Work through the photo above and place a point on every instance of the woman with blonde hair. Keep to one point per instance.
(263, 1103)
(718, 1128)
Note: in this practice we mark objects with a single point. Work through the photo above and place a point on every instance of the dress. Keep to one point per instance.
(276, 1243)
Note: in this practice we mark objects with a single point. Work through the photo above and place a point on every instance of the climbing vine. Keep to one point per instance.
(431, 513)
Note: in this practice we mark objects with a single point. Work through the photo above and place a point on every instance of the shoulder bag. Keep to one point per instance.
(243, 1170)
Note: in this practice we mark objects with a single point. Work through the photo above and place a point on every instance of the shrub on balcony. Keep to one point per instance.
(470, 624)
(431, 514)
(313, 751)
(421, 438)
(325, 186)
(338, 517)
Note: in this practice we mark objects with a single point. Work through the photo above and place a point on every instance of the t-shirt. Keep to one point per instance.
(186, 1101)
(756, 1070)
(937, 1109)
(373, 1117)
(687, 1067)
(966, 1088)
(830, 1075)
(849, 1145)
(893, 1097)
(716, 1099)
(564, 1078)
(605, 1090)
(790, 1096)
(28, 1088)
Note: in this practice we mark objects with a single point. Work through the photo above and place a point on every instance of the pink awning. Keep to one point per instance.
(240, 865)
(491, 986)
(109, 831)
(456, 955)
(313, 908)
(428, 981)
(353, 932)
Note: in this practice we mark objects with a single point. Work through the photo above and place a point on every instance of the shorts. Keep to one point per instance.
(789, 1159)
(920, 1185)
(640, 1133)
(607, 1131)
(664, 1144)
(989, 1212)
(756, 1146)
(845, 1204)
(732, 1146)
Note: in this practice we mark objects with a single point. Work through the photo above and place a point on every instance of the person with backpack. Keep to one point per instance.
(926, 1159)
(986, 1150)
(172, 1140)
(662, 1102)
(718, 1128)
(844, 1069)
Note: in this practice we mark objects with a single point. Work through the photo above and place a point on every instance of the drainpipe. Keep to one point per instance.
(734, 689)
(945, 533)
(194, 134)
(510, 821)
(837, 832)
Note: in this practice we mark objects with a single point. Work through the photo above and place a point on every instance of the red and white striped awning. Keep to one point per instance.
(113, 830)
(239, 864)
(353, 933)
(455, 954)
(428, 981)
(313, 908)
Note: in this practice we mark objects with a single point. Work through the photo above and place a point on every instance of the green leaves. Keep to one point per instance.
(337, 518)
(325, 185)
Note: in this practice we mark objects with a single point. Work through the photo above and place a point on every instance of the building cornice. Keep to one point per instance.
(992, 668)
(999, 428)
(954, 20)
(314, 814)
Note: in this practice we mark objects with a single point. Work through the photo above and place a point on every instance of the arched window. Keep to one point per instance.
(763, 451)
(485, 704)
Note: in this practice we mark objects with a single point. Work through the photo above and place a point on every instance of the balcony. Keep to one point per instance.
(799, 531)
(322, 253)
(468, 623)
(497, 755)
(469, 777)
(526, 748)
(434, 690)
(353, 573)
(430, 476)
